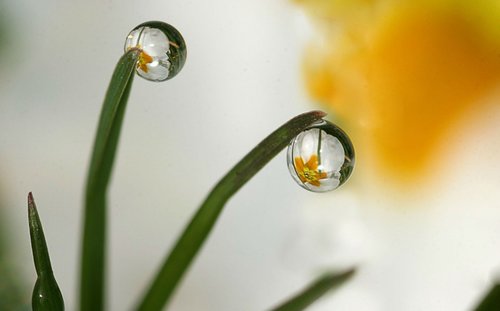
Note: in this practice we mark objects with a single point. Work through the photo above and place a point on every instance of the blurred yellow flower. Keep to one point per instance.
(401, 75)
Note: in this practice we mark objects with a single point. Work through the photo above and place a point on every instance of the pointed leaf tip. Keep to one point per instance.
(317, 114)
(320, 113)
(46, 293)
(31, 201)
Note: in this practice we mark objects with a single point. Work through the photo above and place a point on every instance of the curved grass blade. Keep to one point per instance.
(491, 302)
(203, 221)
(46, 294)
(92, 278)
(315, 291)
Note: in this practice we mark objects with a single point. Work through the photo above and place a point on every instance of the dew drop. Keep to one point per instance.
(163, 50)
(321, 158)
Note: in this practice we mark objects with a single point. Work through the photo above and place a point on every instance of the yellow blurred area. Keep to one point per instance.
(402, 76)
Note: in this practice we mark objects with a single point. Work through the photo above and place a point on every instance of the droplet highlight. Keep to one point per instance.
(321, 158)
(163, 50)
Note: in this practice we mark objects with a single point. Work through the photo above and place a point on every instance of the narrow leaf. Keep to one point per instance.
(315, 291)
(92, 278)
(491, 302)
(203, 221)
(46, 294)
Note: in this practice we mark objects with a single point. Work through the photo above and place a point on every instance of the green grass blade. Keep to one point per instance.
(315, 291)
(92, 279)
(46, 294)
(491, 302)
(203, 221)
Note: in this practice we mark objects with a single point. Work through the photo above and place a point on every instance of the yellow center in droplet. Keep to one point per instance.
(308, 172)
(144, 60)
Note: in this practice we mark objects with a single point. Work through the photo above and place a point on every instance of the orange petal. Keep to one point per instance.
(313, 162)
(314, 183)
(299, 164)
(143, 67)
(302, 178)
(322, 175)
(146, 58)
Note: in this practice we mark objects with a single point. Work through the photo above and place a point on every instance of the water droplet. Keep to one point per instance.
(163, 50)
(321, 158)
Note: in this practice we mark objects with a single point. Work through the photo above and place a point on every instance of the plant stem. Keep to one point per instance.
(319, 147)
(203, 221)
(92, 278)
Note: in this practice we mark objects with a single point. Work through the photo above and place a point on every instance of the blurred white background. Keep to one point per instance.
(241, 80)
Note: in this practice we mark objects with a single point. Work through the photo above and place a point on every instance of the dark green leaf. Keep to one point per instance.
(491, 302)
(315, 291)
(46, 294)
(203, 221)
(94, 235)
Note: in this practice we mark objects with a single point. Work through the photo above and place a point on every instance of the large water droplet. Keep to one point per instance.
(321, 158)
(163, 50)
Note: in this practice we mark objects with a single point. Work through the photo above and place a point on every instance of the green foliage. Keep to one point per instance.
(315, 291)
(491, 302)
(46, 294)
(203, 221)
(92, 278)
(92, 293)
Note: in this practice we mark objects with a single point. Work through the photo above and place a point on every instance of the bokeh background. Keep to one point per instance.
(417, 86)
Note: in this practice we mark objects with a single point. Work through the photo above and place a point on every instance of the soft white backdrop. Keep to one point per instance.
(240, 82)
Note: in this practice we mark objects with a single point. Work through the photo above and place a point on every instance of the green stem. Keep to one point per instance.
(203, 221)
(46, 293)
(92, 278)
(319, 147)
(315, 291)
